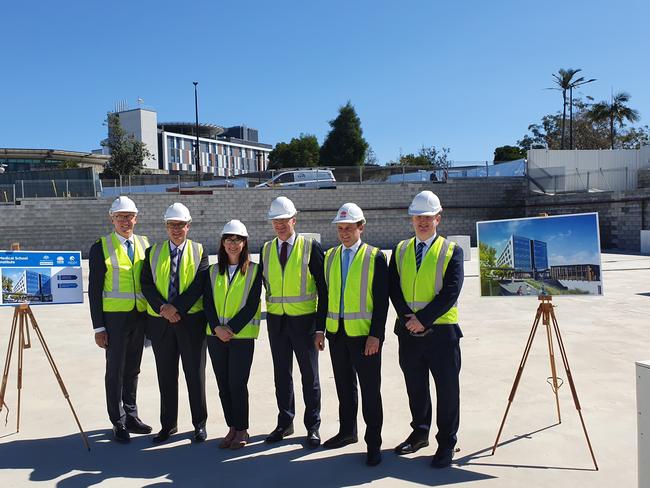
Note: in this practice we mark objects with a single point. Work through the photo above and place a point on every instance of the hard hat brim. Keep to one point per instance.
(179, 219)
(426, 214)
(281, 216)
(240, 234)
(348, 221)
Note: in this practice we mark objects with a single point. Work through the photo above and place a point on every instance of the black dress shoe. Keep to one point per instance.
(137, 426)
(164, 434)
(120, 434)
(278, 434)
(373, 458)
(313, 438)
(442, 458)
(409, 446)
(340, 440)
(200, 434)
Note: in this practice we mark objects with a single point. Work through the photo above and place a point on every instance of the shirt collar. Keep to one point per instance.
(123, 239)
(180, 248)
(354, 247)
(428, 242)
(289, 241)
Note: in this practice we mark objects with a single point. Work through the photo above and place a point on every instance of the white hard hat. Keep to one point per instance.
(236, 228)
(123, 204)
(281, 208)
(349, 213)
(425, 203)
(177, 211)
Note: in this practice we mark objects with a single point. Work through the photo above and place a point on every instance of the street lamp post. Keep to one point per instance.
(197, 152)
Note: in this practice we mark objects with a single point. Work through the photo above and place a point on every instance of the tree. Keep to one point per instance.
(371, 158)
(427, 156)
(615, 112)
(127, 153)
(565, 82)
(508, 153)
(300, 152)
(69, 165)
(344, 145)
(7, 283)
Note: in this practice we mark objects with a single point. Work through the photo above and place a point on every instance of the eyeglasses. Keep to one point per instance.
(124, 217)
(234, 240)
(176, 226)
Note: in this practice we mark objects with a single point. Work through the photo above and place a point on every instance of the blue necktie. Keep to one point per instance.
(418, 254)
(345, 264)
(173, 276)
(129, 250)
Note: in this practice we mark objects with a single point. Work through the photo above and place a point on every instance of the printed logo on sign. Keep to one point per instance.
(59, 260)
(72, 259)
(46, 257)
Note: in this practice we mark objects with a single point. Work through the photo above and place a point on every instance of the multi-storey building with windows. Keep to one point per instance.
(223, 151)
(524, 254)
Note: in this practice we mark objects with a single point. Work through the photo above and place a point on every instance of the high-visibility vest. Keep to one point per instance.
(231, 296)
(159, 259)
(122, 292)
(291, 291)
(357, 297)
(420, 286)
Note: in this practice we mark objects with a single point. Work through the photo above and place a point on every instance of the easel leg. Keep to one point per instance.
(574, 392)
(50, 359)
(520, 371)
(19, 383)
(551, 354)
(5, 374)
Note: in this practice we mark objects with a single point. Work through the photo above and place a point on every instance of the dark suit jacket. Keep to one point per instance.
(452, 284)
(184, 301)
(241, 318)
(380, 292)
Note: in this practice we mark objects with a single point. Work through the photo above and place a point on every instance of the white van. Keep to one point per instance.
(304, 178)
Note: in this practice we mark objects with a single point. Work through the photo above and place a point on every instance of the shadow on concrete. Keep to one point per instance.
(468, 460)
(646, 294)
(65, 463)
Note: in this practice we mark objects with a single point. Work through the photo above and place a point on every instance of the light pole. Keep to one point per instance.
(197, 152)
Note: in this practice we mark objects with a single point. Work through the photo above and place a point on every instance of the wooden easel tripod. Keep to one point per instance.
(22, 315)
(546, 314)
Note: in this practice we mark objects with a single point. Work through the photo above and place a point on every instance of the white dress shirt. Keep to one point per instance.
(427, 243)
(289, 242)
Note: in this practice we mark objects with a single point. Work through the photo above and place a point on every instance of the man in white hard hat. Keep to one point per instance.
(173, 278)
(292, 268)
(426, 277)
(357, 282)
(117, 310)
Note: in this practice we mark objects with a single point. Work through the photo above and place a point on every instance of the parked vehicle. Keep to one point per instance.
(307, 178)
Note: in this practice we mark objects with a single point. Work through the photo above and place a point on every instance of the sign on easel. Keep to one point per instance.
(40, 278)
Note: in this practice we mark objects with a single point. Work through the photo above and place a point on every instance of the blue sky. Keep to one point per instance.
(468, 75)
(569, 239)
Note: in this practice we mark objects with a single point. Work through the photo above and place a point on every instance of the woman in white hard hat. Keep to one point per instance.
(232, 306)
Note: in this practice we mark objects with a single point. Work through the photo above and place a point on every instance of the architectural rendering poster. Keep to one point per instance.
(40, 278)
(558, 255)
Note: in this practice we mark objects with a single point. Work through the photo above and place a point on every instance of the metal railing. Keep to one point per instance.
(7, 194)
(55, 189)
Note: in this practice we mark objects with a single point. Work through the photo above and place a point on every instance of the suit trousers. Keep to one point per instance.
(439, 354)
(232, 362)
(123, 357)
(288, 336)
(348, 363)
(186, 340)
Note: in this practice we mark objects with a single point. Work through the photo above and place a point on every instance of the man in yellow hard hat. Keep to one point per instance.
(173, 278)
(426, 277)
(292, 268)
(357, 283)
(117, 310)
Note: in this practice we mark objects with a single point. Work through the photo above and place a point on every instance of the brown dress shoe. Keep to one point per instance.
(227, 440)
(240, 440)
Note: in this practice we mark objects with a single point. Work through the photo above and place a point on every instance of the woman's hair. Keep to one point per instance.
(244, 257)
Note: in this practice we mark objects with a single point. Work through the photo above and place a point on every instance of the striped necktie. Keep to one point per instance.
(418, 254)
(173, 275)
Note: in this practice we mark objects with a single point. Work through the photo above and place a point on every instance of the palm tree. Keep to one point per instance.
(565, 82)
(614, 112)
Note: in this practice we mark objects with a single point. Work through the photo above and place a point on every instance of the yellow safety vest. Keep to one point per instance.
(291, 291)
(357, 297)
(420, 286)
(122, 292)
(159, 259)
(231, 296)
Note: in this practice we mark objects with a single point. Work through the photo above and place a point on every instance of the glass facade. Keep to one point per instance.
(521, 253)
(540, 255)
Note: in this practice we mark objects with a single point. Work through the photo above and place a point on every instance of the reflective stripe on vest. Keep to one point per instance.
(121, 271)
(231, 296)
(159, 259)
(419, 287)
(358, 300)
(296, 295)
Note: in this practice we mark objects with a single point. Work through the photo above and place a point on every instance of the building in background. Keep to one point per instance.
(37, 159)
(527, 257)
(223, 151)
(35, 285)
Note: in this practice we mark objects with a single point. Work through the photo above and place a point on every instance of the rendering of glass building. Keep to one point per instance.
(33, 284)
(524, 254)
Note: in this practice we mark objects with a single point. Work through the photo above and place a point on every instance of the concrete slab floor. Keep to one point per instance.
(603, 337)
